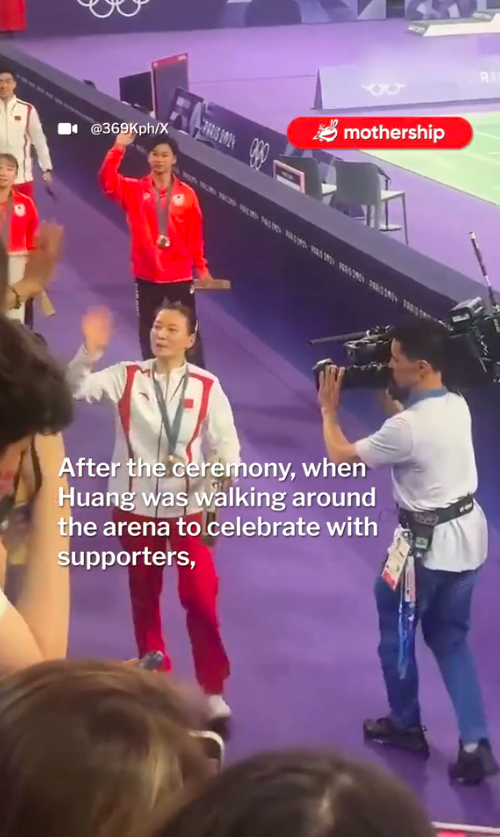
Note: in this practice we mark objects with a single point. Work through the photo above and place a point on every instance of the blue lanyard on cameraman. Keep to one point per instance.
(407, 616)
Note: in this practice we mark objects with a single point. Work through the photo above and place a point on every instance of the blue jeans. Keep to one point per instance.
(443, 609)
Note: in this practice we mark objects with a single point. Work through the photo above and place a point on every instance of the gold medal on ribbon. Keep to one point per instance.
(163, 242)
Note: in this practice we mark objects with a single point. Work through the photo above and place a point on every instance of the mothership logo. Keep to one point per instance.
(106, 8)
(328, 133)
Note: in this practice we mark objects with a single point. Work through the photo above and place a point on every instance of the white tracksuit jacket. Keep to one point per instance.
(20, 130)
(207, 418)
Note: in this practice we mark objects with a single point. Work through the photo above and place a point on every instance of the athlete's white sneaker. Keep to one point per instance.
(219, 716)
(218, 708)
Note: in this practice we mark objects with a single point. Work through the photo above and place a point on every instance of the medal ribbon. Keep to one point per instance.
(172, 430)
(5, 224)
(163, 210)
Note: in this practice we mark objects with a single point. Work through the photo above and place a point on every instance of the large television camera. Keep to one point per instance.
(473, 356)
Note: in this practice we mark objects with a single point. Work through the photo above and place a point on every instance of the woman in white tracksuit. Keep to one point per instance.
(166, 408)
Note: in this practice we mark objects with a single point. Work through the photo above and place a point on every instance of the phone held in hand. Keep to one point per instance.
(152, 661)
(212, 746)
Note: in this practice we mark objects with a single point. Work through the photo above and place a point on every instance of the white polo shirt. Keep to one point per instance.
(430, 450)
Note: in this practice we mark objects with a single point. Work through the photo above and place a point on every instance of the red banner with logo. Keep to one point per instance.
(12, 15)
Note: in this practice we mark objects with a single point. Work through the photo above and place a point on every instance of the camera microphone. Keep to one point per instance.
(339, 338)
(482, 267)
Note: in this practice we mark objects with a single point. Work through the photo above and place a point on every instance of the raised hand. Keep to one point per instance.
(96, 329)
(42, 261)
(330, 388)
(124, 140)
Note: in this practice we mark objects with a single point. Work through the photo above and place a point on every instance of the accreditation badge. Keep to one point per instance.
(397, 559)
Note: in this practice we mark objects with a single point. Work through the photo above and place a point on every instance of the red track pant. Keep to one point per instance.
(198, 588)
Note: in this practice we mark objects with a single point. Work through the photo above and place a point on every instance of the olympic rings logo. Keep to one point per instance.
(383, 89)
(259, 152)
(105, 8)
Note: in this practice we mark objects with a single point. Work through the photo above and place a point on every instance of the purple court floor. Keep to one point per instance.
(298, 616)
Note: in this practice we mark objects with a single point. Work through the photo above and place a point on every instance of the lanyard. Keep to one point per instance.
(172, 430)
(5, 224)
(163, 211)
(407, 617)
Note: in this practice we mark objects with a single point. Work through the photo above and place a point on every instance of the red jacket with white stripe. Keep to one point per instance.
(23, 224)
(20, 129)
(185, 227)
(207, 417)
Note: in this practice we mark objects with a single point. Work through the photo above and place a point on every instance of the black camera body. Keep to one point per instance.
(473, 351)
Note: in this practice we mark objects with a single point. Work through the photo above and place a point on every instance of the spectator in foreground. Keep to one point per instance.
(302, 794)
(94, 750)
(35, 406)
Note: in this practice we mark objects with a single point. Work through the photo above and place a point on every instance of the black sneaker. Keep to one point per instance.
(473, 768)
(385, 732)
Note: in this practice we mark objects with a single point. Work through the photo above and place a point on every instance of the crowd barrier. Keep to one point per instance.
(299, 269)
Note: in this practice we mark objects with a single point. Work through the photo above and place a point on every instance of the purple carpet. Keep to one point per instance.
(287, 606)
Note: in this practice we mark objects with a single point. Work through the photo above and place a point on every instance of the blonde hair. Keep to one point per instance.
(94, 749)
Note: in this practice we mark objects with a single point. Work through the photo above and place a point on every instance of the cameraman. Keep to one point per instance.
(431, 569)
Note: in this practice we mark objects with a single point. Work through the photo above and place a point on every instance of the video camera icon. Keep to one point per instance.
(65, 129)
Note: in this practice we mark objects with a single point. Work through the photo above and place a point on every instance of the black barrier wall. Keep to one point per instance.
(299, 269)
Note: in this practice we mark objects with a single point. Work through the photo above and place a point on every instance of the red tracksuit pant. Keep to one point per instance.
(198, 589)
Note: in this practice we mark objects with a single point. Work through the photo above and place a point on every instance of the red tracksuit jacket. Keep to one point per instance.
(12, 15)
(23, 224)
(185, 230)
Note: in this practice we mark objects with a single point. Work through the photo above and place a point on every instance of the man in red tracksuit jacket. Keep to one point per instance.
(166, 229)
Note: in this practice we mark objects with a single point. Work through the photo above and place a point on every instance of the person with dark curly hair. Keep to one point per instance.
(35, 406)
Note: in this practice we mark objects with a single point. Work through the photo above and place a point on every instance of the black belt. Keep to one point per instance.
(436, 517)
